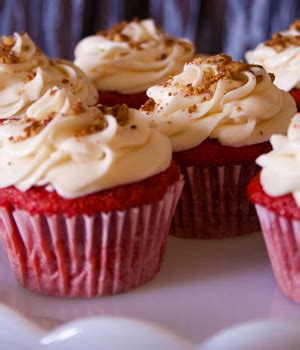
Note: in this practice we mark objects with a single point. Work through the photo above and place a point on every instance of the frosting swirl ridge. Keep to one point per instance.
(280, 173)
(217, 98)
(131, 57)
(26, 74)
(61, 137)
(280, 55)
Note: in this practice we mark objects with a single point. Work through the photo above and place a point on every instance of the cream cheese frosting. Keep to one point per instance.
(77, 150)
(280, 173)
(26, 74)
(217, 98)
(280, 55)
(131, 57)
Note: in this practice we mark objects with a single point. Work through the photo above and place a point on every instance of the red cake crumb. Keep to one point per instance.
(211, 152)
(39, 200)
(296, 95)
(111, 98)
(282, 205)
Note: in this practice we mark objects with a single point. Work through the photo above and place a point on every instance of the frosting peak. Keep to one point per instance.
(233, 102)
(17, 48)
(280, 173)
(77, 150)
(295, 25)
(26, 74)
(135, 32)
(132, 56)
(280, 55)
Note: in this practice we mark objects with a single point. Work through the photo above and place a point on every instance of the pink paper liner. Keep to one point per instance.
(82, 255)
(214, 204)
(282, 237)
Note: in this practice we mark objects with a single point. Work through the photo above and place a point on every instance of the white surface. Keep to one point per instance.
(260, 335)
(203, 287)
(115, 333)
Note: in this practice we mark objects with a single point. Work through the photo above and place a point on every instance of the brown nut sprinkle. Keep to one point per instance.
(148, 106)
(120, 112)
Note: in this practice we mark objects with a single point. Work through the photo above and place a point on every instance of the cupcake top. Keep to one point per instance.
(280, 55)
(26, 74)
(215, 97)
(77, 150)
(280, 173)
(130, 57)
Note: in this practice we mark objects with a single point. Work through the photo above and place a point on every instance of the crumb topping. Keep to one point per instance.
(30, 76)
(120, 112)
(98, 125)
(6, 54)
(77, 108)
(116, 34)
(33, 128)
(279, 42)
(226, 69)
(295, 25)
(148, 106)
(192, 108)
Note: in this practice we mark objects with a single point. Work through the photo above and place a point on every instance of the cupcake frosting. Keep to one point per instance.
(217, 98)
(26, 74)
(77, 150)
(131, 57)
(280, 173)
(280, 55)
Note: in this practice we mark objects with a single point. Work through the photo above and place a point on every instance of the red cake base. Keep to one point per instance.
(296, 95)
(214, 203)
(280, 223)
(76, 251)
(282, 205)
(111, 98)
(212, 153)
(38, 200)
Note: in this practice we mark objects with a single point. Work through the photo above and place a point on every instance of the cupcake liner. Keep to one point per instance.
(214, 202)
(103, 254)
(282, 237)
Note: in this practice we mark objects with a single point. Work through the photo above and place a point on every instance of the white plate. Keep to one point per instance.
(203, 287)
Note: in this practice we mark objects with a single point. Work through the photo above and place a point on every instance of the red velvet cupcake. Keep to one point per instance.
(219, 115)
(276, 195)
(27, 73)
(126, 60)
(280, 55)
(86, 198)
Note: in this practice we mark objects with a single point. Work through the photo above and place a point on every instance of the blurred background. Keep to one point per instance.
(231, 26)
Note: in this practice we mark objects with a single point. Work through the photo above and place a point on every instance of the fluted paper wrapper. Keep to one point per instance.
(282, 237)
(86, 256)
(214, 203)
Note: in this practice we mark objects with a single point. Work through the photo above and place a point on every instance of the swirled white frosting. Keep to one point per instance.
(284, 64)
(67, 151)
(280, 173)
(238, 111)
(132, 60)
(26, 74)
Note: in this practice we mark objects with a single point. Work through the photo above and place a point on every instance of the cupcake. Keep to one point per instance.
(126, 60)
(219, 115)
(26, 74)
(86, 197)
(281, 55)
(276, 195)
